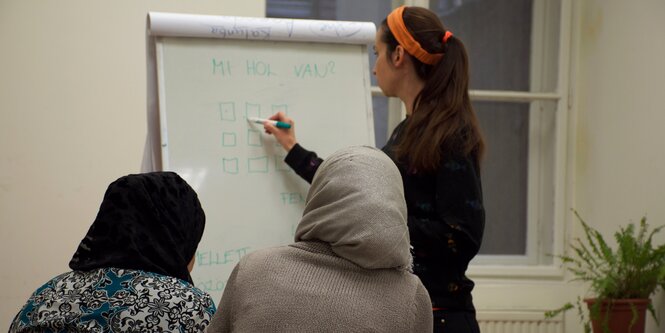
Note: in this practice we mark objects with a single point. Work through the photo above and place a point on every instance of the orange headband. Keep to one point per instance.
(404, 38)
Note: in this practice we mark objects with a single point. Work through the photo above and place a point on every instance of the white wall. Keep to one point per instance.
(620, 107)
(620, 167)
(72, 119)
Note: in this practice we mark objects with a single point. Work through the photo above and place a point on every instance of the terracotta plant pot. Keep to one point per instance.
(619, 314)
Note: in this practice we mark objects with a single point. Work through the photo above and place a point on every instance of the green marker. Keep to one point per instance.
(278, 124)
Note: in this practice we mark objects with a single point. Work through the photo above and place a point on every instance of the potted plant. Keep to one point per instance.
(621, 280)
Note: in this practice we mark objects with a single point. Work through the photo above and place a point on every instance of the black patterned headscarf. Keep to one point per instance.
(151, 222)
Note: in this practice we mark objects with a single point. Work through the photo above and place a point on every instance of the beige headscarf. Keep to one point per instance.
(356, 204)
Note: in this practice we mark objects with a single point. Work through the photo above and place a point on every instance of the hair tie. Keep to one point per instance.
(396, 25)
(446, 36)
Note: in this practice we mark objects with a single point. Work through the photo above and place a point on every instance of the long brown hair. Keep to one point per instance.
(443, 123)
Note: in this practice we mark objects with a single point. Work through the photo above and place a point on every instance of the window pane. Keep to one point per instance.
(518, 178)
(512, 44)
(504, 176)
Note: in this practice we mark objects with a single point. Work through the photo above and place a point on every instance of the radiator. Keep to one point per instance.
(518, 322)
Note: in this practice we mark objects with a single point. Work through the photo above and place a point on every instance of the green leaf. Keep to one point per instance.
(634, 269)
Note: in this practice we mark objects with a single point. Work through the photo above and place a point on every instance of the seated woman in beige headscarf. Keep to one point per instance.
(349, 269)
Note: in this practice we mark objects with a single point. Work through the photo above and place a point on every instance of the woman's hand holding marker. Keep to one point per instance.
(285, 136)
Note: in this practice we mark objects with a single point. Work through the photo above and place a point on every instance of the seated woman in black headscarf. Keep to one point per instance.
(131, 271)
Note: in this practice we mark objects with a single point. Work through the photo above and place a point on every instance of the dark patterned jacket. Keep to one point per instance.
(446, 219)
(115, 300)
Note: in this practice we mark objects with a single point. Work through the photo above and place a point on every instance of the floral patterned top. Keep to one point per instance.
(115, 300)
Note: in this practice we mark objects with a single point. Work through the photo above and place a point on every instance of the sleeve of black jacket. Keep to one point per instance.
(303, 162)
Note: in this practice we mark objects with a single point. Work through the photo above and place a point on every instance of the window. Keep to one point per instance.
(517, 87)
(514, 59)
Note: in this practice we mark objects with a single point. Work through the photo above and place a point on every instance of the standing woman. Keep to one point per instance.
(437, 148)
